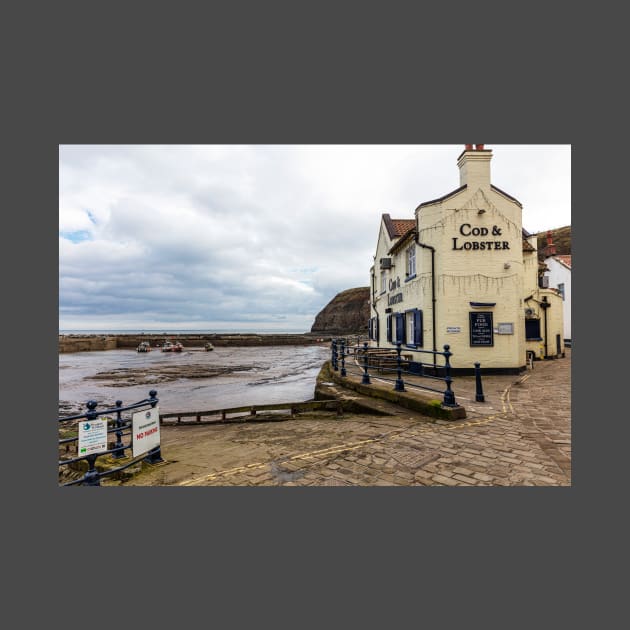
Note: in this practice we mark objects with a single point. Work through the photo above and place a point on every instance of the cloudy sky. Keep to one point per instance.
(254, 237)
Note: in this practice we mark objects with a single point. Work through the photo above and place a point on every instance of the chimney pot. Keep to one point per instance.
(479, 147)
(468, 147)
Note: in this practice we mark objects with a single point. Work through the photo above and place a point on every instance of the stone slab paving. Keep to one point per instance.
(520, 436)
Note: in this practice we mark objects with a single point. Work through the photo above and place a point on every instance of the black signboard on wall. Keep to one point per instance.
(481, 328)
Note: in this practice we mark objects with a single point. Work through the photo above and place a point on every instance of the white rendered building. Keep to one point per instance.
(558, 276)
(463, 272)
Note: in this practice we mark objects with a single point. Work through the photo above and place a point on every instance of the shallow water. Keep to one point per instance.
(272, 374)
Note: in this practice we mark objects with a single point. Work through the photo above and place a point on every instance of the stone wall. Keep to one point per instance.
(78, 343)
(82, 343)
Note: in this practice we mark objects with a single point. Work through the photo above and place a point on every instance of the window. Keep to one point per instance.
(383, 281)
(410, 325)
(561, 289)
(389, 328)
(411, 261)
(373, 328)
(413, 319)
(532, 330)
(400, 328)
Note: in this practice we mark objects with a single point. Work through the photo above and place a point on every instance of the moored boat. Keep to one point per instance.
(169, 346)
(144, 346)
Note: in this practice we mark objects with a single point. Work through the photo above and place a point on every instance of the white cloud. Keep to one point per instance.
(219, 236)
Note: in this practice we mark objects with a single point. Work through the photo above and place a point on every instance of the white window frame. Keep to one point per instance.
(383, 281)
(409, 327)
(411, 261)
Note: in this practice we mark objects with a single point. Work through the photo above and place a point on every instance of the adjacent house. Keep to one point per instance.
(558, 276)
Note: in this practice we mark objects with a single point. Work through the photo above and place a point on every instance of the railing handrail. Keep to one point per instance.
(92, 476)
(366, 351)
(103, 412)
(390, 351)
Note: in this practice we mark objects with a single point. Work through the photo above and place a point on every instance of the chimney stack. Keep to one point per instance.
(474, 166)
(550, 250)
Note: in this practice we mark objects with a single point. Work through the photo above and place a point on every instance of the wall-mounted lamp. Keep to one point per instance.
(506, 265)
(480, 211)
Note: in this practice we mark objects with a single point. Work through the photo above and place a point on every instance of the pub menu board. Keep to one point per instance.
(481, 329)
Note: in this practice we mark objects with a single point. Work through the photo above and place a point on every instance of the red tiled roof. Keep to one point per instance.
(398, 227)
(565, 259)
(402, 226)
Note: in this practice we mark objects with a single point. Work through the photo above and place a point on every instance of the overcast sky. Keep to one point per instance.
(254, 237)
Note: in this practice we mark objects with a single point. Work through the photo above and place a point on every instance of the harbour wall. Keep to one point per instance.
(84, 343)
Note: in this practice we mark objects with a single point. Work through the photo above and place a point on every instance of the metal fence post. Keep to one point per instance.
(155, 456)
(91, 477)
(366, 377)
(343, 357)
(400, 386)
(479, 390)
(334, 355)
(449, 396)
(119, 444)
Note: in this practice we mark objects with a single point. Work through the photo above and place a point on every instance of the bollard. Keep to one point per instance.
(91, 477)
(119, 444)
(366, 377)
(343, 357)
(479, 391)
(400, 386)
(449, 396)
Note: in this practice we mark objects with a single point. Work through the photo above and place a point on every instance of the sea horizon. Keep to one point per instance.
(180, 331)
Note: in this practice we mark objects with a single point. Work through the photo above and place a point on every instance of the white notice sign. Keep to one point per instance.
(92, 436)
(145, 427)
(453, 329)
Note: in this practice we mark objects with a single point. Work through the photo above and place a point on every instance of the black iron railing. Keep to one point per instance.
(120, 426)
(383, 361)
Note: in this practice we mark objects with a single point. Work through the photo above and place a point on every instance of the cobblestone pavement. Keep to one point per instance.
(520, 436)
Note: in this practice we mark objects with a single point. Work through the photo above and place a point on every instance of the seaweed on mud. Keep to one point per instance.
(126, 377)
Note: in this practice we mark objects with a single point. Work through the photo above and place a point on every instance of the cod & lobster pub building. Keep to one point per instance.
(464, 272)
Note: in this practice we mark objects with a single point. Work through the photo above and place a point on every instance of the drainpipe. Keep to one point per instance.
(373, 298)
(432, 293)
(545, 305)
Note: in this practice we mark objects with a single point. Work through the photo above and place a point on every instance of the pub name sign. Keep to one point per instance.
(466, 229)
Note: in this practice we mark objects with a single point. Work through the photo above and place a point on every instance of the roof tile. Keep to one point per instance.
(402, 226)
(564, 258)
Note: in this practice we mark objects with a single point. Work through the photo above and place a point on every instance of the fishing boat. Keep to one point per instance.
(144, 346)
(208, 346)
(169, 346)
